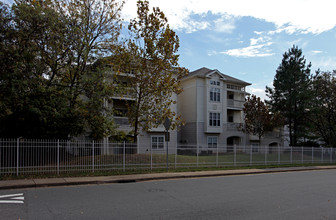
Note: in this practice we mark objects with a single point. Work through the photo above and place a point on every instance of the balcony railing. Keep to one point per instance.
(235, 103)
(236, 88)
(231, 126)
(125, 93)
(272, 134)
(121, 120)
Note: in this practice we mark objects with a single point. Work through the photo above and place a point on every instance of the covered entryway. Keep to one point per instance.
(232, 141)
(272, 146)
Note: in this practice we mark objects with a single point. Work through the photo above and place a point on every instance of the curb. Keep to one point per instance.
(38, 183)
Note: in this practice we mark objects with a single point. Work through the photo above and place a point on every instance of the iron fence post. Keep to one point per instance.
(93, 155)
(322, 152)
(302, 154)
(216, 155)
(278, 154)
(151, 158)
(124, 156)
(197, 156)
(265, 154)
(312, 154)
(58, 157)
(17, 155)
(251, 155)
(291, 155)
(175, 157)
(235, 155)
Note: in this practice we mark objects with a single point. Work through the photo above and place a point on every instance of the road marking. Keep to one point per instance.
(12, 198)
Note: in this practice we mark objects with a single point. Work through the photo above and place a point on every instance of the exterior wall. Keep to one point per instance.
(145, 141)
(187, 101)
(196, 92)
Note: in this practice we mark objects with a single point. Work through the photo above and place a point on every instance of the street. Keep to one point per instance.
(292, 195)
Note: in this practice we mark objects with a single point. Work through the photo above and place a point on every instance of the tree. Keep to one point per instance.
(323, 108)
(49, 47)
(150, 61)
(290, 94)
(258, 119)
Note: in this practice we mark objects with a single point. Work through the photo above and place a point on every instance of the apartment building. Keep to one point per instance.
(152, 141)
(212, 106)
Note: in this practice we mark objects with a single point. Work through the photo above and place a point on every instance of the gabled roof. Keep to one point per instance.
(205, 72)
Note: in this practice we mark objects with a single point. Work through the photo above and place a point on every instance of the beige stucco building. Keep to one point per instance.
(212, 106)
(152, 141)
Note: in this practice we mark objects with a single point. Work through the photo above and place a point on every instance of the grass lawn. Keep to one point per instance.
(139, 163)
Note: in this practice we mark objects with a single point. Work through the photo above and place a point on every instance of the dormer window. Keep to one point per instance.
(214, 83)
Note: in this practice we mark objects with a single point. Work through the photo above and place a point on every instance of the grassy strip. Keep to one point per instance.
(156, 170)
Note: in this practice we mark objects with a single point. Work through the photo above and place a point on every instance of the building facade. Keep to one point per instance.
(152, 141)
(212, 106)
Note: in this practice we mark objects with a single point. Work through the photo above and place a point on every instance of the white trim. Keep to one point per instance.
(157, 142)
(212, 137)
(218, 73)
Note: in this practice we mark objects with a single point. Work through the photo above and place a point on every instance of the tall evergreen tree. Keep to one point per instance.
(290, 94)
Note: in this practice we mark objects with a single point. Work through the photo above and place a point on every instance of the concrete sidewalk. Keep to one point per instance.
(29, 183)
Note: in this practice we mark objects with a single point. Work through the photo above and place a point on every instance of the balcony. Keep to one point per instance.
(125, 94)
(121, 120)
(235, 103)
(272, 134)
(231, 126)
(235, 88)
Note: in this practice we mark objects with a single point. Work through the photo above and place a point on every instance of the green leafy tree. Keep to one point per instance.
(150, 61)
(291, 94)
(323, 110)
(258, 119)
(49, 47)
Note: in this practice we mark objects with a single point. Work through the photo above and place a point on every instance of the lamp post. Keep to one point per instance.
(167, 124)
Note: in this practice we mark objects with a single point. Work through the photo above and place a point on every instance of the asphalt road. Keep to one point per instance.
(294, 195)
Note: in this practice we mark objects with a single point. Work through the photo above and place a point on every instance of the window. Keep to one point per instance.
(214, 119)
(212, 142)
(157, 142)
(230, 96)
(215, 94)
(214, 82)
(255, 147)
(230, 118)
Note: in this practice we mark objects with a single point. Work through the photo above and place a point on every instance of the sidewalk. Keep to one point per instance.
(29, 183)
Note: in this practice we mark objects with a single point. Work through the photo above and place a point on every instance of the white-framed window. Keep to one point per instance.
(157, 142)
(214, 83)
(214, 119)
(215, 94)
(212, 141)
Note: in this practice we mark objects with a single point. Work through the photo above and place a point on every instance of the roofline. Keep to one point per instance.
(222, 78)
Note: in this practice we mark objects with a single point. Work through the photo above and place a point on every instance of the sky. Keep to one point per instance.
(246, 39)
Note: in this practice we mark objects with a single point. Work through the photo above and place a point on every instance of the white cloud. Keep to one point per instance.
(306, 16)
(254, 50)
(317, 52)
(225, 24)
(324, 63)
(259, 92)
